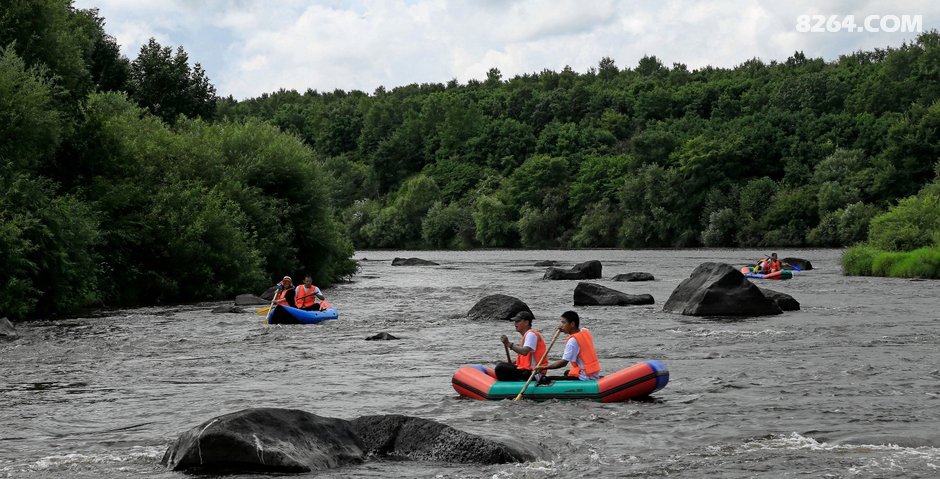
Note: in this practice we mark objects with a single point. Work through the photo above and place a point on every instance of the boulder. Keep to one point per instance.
(7, 331)
(717, 289)
(251, 300)
(268, 294)
(403, 437)
(270, 440)
(590, 294)
(586, 270)
(545, 263)
(228, 309)
(498, 307)
(381, 337)
(265, 440)
(412, 262)
(803, 264)
(785, 301)
(634, 277)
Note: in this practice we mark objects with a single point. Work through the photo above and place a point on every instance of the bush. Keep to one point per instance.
(448, 226)
(913, 223)
(721, 228)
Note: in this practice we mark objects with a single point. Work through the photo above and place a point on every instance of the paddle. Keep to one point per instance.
(537, 364)
(270, 306)
(263, 310)
(508, 359)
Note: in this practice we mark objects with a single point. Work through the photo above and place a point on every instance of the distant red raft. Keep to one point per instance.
(638, 380)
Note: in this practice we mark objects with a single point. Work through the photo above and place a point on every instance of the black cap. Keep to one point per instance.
(523, 315)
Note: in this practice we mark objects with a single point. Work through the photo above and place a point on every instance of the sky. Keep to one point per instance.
(250, 47)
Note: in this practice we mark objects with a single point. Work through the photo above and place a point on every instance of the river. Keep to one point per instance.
(849, 386)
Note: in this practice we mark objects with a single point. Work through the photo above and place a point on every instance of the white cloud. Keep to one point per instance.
(249, 47)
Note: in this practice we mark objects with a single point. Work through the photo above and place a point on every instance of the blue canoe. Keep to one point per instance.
(288, 315)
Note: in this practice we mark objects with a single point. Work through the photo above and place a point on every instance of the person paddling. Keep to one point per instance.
(579, 350)
(285, 292)
(307, 296)
(528, 351)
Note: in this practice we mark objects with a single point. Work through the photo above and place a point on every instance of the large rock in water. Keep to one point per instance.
(717, 289)
(265, 440)
(590, 294)
(273, 440)
(498, 307)
(634, 277)
(412, 262)
(586, 270)
(250, 300)
(803, 264)
(404, 437)
(268, 294)
(7, 331)
(784, 300)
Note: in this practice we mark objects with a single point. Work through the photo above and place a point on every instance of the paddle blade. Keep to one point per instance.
(263, 310)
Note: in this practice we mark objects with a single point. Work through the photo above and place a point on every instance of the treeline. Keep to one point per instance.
(802, 152)
(119, 187)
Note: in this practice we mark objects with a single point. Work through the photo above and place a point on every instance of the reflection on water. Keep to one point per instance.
(847, 386)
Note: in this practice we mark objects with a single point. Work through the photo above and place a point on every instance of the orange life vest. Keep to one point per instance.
(281, 296)
(305, 297)
(774, 265)
(524, 361)
(586, 353)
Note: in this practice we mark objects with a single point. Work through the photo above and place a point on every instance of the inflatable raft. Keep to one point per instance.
(288, 315)
(635, 381)
(782, 274)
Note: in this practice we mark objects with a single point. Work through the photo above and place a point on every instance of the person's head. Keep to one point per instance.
(286, 281)
(773, 256)
(570, 322)
(308, 280)
(523, 320)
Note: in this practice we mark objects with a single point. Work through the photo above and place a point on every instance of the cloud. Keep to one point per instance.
(249, 47)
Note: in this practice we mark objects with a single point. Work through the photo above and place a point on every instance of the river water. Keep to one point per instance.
(849, 386)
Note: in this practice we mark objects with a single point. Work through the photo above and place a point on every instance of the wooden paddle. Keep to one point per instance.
(263, 310)
(270, 307)
(537, 365)
(508, 359)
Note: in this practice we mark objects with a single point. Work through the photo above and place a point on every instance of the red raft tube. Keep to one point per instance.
(635, 381)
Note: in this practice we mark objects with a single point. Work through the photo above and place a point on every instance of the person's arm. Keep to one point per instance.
(570, 354)
(318, 293)
(515, 347)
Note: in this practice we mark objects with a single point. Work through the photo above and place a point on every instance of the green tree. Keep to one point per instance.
(163, 82)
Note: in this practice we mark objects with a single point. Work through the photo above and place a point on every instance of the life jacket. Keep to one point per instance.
(773, 265)
(281, 296)
(524, 361)
(305, 297)
(586, 353)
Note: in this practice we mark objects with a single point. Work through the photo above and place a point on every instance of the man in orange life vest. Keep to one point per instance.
(579, 350)
(307, 295)
(529, 351)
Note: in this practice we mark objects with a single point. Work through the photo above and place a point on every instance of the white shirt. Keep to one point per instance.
(572, 349)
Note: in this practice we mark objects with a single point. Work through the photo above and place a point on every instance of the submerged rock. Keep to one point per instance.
(271, 440)
(590, 294)
(785, 301)
(404, 437)
(497, 307)
(383, 336)
(545, 263)
(587, 270)
(412, 262)
(803, 264)
(7, 331)
(634, 277)
(228, 309)
(251, 300)
(717, 289)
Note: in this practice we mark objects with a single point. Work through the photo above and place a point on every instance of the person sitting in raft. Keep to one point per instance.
(307, 296)
(531, 349)
(768, 265)
(579, 350)
(285, 292)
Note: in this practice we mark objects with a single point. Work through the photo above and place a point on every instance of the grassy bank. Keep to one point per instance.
(869, 261)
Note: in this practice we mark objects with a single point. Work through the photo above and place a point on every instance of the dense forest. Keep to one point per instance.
(131, 182)
(801, 152)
